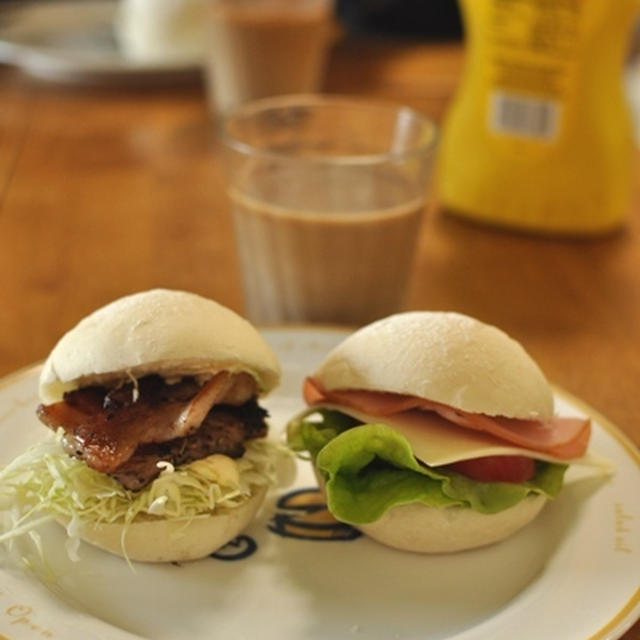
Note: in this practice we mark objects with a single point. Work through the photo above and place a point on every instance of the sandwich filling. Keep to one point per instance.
(375, 450)
(128, 430)
(561, 437)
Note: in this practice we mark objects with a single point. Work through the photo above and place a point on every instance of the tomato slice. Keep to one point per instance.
(496, 468)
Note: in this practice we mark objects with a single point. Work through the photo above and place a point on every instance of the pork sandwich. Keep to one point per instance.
(434, 432)
(160, 451)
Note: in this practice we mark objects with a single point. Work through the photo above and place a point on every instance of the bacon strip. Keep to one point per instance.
(561, 437)
(106, 440)
(107, 437)
(194, 413)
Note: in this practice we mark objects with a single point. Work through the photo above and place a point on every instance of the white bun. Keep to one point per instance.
(170, 32)
(416, 527)
(422, 529)
(174, 540)
(445, 357)
(159, 331)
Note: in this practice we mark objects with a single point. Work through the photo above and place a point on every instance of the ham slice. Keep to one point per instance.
(562, 437)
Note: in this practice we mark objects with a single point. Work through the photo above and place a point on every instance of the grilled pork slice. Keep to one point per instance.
(125, 431)
(224, 430)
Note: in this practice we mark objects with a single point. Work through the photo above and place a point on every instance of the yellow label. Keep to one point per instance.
(533, 57)
(533, 50)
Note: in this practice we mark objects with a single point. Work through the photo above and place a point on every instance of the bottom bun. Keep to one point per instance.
(162, 540)
(416, 527)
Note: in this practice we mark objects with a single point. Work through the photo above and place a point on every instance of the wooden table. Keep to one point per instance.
(108, 191)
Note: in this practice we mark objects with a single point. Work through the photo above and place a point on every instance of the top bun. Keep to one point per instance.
(445, 357)
(160, 331)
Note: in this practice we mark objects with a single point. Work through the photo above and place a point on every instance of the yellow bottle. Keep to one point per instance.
(539, 136)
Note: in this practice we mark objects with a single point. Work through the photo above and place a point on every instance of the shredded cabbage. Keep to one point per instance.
(45, 484)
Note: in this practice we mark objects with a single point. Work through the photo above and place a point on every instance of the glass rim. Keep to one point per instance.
(321, 100)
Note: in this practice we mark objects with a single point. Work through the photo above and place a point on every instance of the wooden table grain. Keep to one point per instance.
(107, 191)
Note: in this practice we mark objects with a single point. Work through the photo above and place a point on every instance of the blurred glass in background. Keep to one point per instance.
(261, 48)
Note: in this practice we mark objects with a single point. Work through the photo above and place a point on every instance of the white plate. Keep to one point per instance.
(73, 41)
(572, 574)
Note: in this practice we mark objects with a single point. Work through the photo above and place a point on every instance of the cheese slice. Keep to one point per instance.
(436, 441)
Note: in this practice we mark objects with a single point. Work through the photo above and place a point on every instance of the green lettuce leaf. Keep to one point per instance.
(370, 468)
(311, 431)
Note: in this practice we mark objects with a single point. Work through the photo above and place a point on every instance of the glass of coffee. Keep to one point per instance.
(260, 48)
(327, 196)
